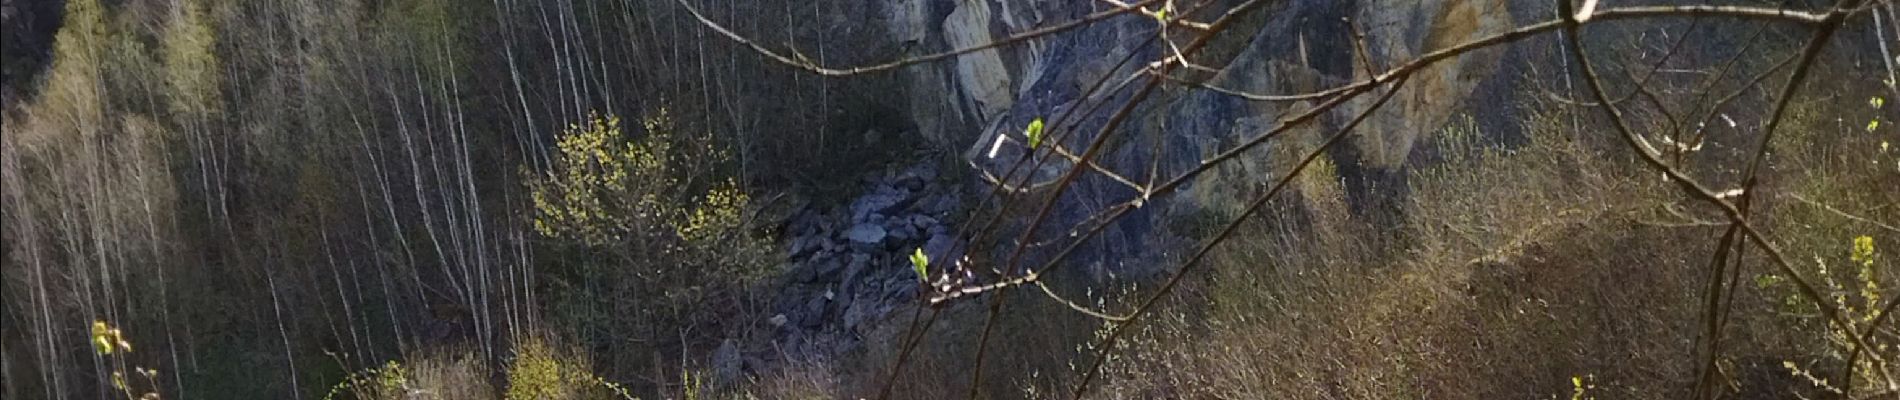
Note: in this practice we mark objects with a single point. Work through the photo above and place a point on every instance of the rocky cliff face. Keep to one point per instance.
(846, 263)
(1289, 46)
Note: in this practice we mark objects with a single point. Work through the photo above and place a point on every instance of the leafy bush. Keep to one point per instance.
(1859, 290)
(650, 232)
(387, 381)
(608, 191)
(542, 371)
(110, 344)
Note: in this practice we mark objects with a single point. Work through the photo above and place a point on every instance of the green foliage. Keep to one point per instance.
(542, 372)
(663, 192)
(388, 381)
(129, 72)
(1874, 102)
(606, 188)
(1034, 133)
(432, 28)
(921, 264)
(596, 164)
(1580, 388)
(188, 49)
(71, 91)
(106, 339)
(1860, 299)
(717, 214)
(110, 342)
(537, 373)
(654, 231)
(692, 386)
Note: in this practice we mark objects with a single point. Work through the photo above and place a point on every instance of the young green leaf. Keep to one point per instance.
(921, 263)
(102, 336)
(1873, 124)
(1876, 101)
(1034, 133)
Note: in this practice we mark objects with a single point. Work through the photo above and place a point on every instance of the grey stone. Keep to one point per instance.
(861, 311)
(728, 367)
(923, 171)
(922, 221)
(876, 202)
(866, 233)
(900, 233)
(858, 264)
(799, 273)
(777, 320)
(900, 291)
(807, 223)
(910, 182)
(804, 245)
(867, 237)
(939, 204)
(824, 269)
(942, 246)
(813, 314)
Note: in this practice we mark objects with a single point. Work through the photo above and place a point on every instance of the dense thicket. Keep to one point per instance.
(263, 194)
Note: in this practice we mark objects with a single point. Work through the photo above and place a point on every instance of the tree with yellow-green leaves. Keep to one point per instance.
(606, 188)
(662, 208)
(73, 81)
(188, 48)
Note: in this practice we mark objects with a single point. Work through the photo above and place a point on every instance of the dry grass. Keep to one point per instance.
(438, 374)
(450, 375)
(798, 380)
(1034, 345)
(1508, 274)
(1521, 268)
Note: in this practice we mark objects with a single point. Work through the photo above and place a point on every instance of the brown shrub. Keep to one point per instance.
(1522, 269)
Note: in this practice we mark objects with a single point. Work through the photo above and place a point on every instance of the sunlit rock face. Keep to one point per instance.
(981, 76)
(1435, 92)
(1288, 46)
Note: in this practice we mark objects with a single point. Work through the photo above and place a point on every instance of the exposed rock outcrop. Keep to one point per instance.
(848, 265)
(1286, 47)
(847, 262)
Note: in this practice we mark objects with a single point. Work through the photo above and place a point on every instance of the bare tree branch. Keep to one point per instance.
(1844, 214)
(1108, 344)
(1824, 31)
(813, 67)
